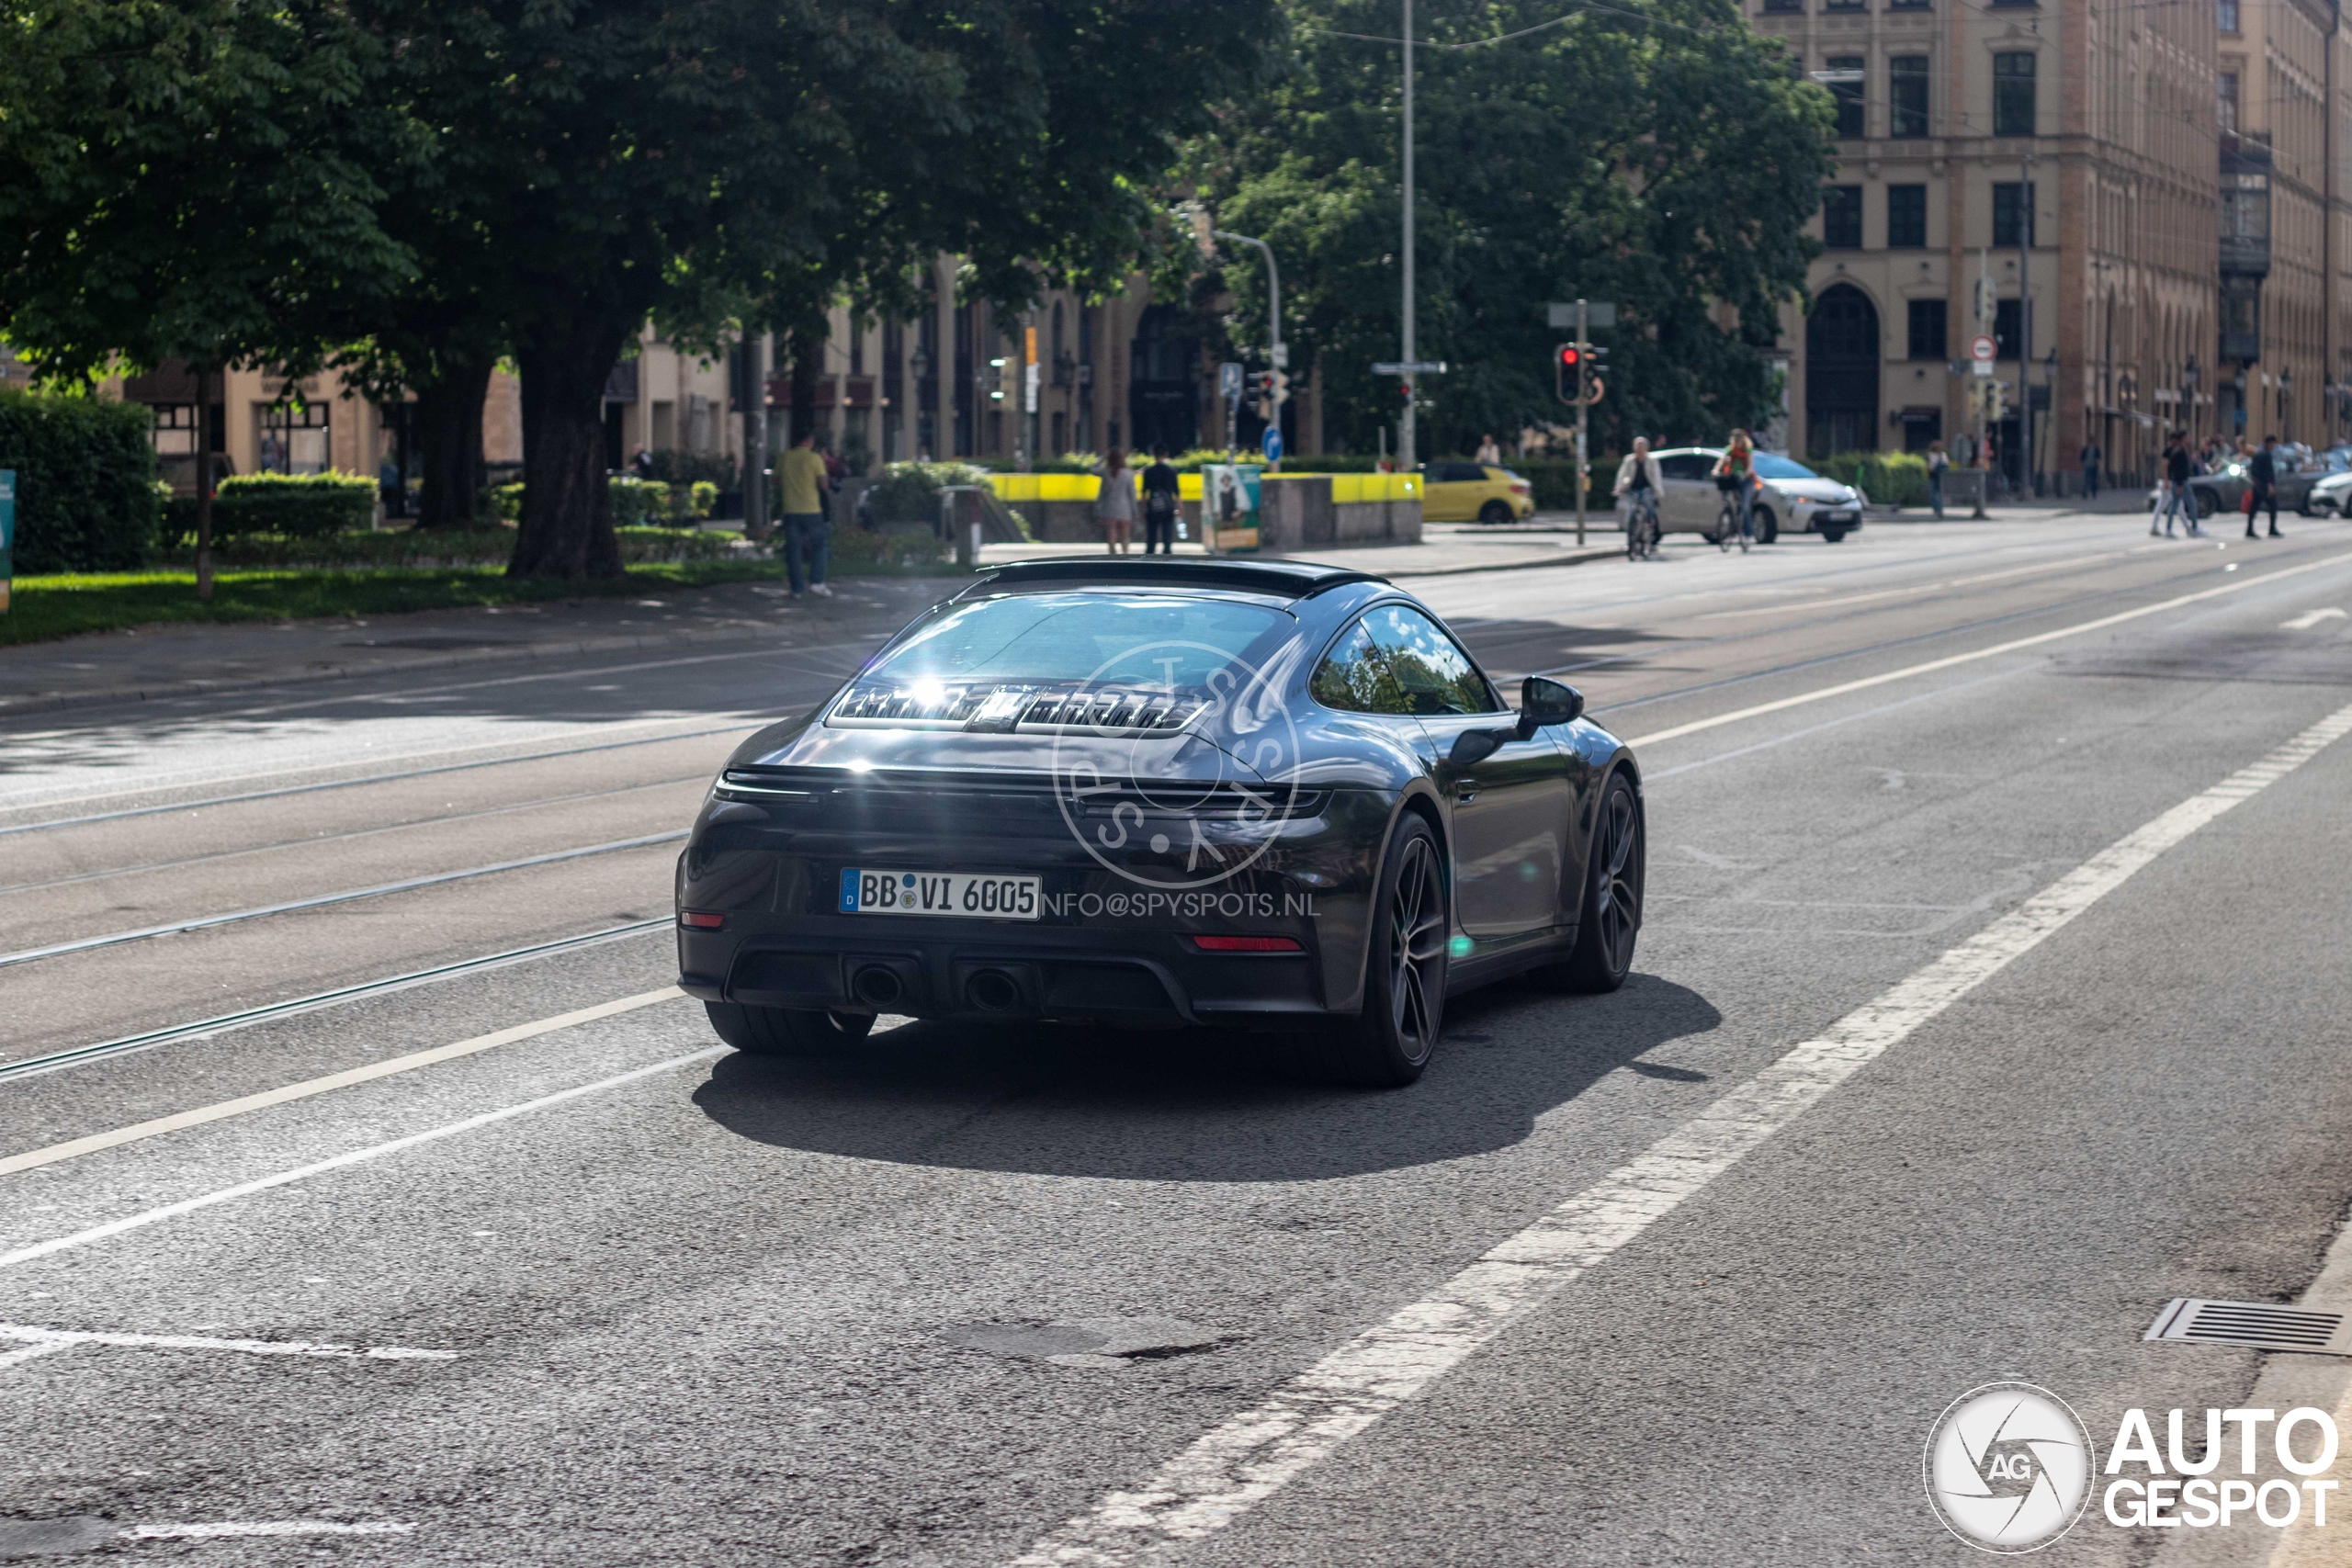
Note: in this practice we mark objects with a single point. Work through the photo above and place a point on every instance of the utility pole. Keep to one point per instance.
(2026, 322)
(1277, 352)
(1583, 408)
(753, 383)
(1406, 459)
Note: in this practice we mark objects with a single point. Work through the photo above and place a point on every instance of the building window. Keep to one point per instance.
(1841, 216)
(1906, 216)
(2013, 94)
(1843, 77)
(1906, 95)
(2228, 12)
(2005, 330)
(2227, 109)
(1783, 8)
(291, 440)
(1927, 329)
(2013, 217)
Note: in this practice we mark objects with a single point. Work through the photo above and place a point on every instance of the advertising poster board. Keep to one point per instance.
(1230, 505)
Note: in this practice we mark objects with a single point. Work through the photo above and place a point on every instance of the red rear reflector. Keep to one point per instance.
(701, 922)
(1247, 944)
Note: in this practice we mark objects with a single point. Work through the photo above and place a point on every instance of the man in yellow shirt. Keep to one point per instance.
(803, 479)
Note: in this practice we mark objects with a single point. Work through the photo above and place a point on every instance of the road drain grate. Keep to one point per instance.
(2262, 1324)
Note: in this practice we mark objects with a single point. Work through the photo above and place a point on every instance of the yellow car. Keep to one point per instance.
(1465, 493)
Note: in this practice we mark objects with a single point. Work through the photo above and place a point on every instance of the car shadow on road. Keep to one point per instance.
(1199, 1105)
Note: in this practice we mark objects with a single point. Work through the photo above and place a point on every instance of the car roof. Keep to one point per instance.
(1279, 579)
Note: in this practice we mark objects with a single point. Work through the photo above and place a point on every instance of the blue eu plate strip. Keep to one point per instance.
(849, 891)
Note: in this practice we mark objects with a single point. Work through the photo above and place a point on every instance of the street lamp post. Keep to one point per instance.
(1405, 457)
(1277, 354)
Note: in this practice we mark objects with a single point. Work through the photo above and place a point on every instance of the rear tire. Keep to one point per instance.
(2207, 503)
(1388, 1044)
(788, 1031)
(1767, 527)
(1609, 918)
(1494, 512)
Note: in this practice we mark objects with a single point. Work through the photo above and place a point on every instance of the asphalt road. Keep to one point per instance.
(606, 1293)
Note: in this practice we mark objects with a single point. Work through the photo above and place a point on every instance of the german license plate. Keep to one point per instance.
(987, 897)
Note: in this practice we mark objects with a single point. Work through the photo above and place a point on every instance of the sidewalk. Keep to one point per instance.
(1446, 550)
(190, 659)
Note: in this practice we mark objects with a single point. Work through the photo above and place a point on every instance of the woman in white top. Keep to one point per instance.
(1115, 505)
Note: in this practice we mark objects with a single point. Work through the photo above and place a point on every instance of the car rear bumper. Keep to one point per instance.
(981, 970)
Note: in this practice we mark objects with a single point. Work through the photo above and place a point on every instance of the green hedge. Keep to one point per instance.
(1339, 464)
(293, 506)
(86, 497)
(637, 504)
(908, 492)
(1888, 479)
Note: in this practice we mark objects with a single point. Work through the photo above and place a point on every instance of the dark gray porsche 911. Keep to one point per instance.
(1154, 793)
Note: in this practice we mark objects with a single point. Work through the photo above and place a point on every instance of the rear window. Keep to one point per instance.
(1156, 640)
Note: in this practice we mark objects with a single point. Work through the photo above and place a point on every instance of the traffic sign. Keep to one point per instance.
(1273, 443)
(1980, 349)
(1597, 313)
(1228, 381)
(1409, 367)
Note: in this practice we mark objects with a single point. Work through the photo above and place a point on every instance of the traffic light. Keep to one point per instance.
(1568, 372)
(1595, 361)
(1281, 379)
(1405, 393)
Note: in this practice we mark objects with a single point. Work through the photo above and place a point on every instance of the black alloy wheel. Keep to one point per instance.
(1610, 919)
(788, 1031)
(1388, 1044)
(1494, 512)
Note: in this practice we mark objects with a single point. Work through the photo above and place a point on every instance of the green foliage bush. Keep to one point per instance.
(85, 483)
(672, 467)
(1331, 465)
(1888, 479)
(1555, 481)
(416, 547)
(871, 552)
(908, 492)
(294, 506)
(637, 504)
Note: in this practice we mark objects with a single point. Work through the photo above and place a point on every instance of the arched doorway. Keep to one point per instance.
(1163, 386)
(1841, 365)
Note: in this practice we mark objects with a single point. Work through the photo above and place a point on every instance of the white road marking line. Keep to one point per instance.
(303, 1090)
(1947, 662)
(63, 1338)
(45, 1348)
(206, 922)
(2306, 621)
(259, 1527)
(2067, 563)
(1254, 1454)
(355, 1157)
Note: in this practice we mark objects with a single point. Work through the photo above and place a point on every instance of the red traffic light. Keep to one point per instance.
(1569, 356)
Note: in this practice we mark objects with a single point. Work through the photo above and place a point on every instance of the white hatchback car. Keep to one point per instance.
(1793, 497)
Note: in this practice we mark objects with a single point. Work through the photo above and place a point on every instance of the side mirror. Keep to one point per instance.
(1543, 702)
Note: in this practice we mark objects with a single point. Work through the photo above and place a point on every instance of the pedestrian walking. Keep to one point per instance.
(2091, 457)
(803, 481)
(1160, 504)
(1938, 461)
(2264, 470)
(1114, 504)
(1487, 451)
(1735, 477)
(2176, 500)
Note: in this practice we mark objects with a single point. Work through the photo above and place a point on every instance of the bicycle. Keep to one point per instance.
(1728, 529)
(1642, 527)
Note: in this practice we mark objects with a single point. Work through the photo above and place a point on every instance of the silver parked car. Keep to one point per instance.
(1793, 497)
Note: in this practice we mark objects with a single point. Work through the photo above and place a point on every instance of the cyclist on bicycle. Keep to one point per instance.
(1736, 476)
(1637, 486)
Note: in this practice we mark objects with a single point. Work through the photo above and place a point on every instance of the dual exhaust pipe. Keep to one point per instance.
(985, 991)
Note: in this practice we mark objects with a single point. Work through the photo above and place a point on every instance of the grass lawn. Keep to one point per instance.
(45, 607)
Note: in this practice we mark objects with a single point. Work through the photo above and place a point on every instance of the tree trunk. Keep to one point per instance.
(449, 441)
(566, 531)
(204, 482)
(808, 359)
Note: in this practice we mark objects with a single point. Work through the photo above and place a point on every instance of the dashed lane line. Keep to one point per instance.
(206, 922)
(34, 1158)
(1822, 692)
(66, 1338)
(146, 1217)
(1248, 1458)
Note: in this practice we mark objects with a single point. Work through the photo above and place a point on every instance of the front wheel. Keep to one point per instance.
(1833, 535)
(1610, 917)
(2207, 503)
(1494, 512)
(788, 1031)
(1727, 530)
(1388, 1044)
(1767, 527)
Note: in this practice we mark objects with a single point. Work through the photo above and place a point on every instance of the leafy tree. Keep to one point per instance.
(1659, 154)
(724, 165)
(191, 179)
